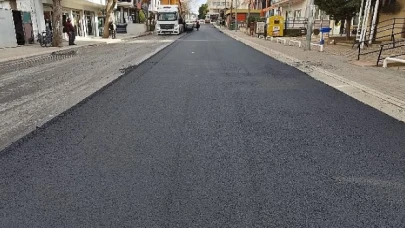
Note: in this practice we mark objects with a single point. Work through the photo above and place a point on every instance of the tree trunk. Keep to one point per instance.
(109, 17)
(57, 39)
(348, 28)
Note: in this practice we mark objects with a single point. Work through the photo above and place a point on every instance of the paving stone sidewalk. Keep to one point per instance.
(386, 81)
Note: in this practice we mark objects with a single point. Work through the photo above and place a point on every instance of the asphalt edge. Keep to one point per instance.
(385, 103)
(14, 143)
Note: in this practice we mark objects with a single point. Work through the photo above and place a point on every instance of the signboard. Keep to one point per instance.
(276, 30)
(260, 27)
(7, 31)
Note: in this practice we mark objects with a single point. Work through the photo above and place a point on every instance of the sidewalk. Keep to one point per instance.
(28, 51)
(380, 88)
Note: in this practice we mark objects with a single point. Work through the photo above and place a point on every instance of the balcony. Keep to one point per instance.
(219, 5)
(95, 2)
(125, 3)
(285, 2)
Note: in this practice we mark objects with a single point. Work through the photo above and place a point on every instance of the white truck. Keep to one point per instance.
(169, 20)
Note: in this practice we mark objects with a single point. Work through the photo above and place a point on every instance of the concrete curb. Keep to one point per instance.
(137, 36)
(385, 103)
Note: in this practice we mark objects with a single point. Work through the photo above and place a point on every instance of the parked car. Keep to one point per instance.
(189, 25)
(202, 21)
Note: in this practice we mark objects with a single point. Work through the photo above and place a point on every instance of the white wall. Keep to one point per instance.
(5, 5)
(298, 6)
(7, 31)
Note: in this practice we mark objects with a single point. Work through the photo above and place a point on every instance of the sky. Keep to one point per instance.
(196, 4)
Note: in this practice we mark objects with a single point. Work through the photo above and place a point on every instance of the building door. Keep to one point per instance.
(19, 29)
(89, 25)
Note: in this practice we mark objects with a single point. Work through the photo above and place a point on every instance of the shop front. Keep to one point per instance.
(83, 15)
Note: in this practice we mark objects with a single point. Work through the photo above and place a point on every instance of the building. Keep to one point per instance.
(126, 11)
(27, 19)
(191, 16)
(296, 13)
(216, 6)
(383, 20)
(87, 16)
(127, 16)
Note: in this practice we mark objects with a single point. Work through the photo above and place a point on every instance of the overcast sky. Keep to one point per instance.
(197, 4)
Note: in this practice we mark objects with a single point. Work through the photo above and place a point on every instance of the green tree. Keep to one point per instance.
(202, 11)
(340, 10)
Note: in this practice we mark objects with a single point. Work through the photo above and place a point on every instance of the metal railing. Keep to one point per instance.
(392, 46)
(302, 23)
(390, 25)
(383, 48)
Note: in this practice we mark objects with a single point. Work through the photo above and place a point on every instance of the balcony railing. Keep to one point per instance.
(284, 2)
(125, 2)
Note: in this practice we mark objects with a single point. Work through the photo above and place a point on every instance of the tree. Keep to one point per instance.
(109, 16)
(57, 39)
(340, 10)
(185, 7)
(142, 17)
(202, 11)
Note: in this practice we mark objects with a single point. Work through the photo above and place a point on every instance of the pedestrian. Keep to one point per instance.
(113, 29)
(198, 25)
(70, 31)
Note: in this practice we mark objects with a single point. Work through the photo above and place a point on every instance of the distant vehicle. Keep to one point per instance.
(202, 21)
(189, 25)
(207, 19)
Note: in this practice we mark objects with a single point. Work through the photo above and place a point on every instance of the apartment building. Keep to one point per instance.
(128, 11)
(216, 6)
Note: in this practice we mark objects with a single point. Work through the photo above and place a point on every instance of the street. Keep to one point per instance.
(31, 96)
(207, 133)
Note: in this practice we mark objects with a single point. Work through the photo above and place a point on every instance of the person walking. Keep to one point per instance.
(70, 31)
(113, 29)
(198, 25)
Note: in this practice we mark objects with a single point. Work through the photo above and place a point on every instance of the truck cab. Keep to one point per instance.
(169, 20)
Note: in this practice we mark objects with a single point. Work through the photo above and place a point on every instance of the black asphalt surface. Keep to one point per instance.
(209, 133)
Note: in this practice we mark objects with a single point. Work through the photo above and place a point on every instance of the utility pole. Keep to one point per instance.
(310, 24)
(230, 23)
(236, 16)
(248, 15)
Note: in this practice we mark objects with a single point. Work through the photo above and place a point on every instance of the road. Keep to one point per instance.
(209, 133)
(31, 96)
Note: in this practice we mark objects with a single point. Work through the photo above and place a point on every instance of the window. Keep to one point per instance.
(297, 14)
(167, 17)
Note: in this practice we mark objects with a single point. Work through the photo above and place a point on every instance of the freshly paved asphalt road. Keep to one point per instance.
(209, 133)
